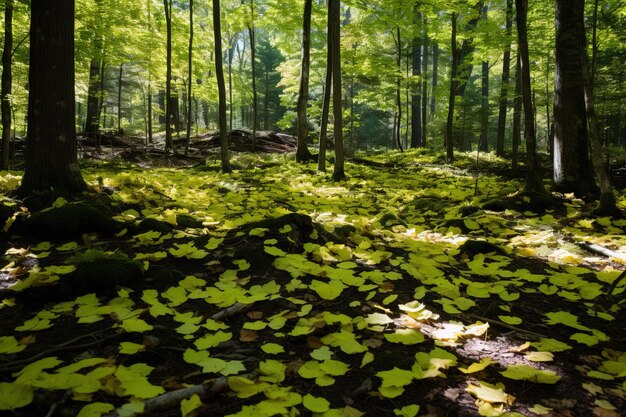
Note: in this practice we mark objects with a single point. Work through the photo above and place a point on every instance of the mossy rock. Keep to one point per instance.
(150, 224)
(472, 248)
(70, 221)
(188, 222)
(102, 272)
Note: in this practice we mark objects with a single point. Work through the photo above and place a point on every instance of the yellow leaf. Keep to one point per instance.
(477, 367)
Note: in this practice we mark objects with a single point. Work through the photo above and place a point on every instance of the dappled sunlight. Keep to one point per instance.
(290, 294)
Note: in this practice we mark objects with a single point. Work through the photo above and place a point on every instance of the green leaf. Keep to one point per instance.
(512, 320)
(477, 366)
(550, 345)
(9, 344)
(272, 348)
(327, 291)
(315, 404)
(187, 406)
(407, 411)
(14, 395)
(95, 409)
(405, 336)
(529, 373)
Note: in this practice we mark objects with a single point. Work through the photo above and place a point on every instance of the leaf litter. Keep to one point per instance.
(287, 294)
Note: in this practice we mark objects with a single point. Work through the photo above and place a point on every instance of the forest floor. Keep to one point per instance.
(275, 291)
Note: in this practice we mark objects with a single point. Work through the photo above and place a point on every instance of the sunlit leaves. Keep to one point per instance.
(477, 366)
(188, 405)
(95, 409)
(134, 382)
(394, 381)
(9, 344)
(529, 373)
(488, 393)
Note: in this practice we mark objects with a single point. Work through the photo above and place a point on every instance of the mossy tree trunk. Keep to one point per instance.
(302, 152)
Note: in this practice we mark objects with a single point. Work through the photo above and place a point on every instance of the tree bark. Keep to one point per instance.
(302, 152)
(169, 144)
(321, 156)
(424, 83)
(484, 109)
(398, 85)
(221, 87)
(189, 79)
(251, 32)
(7, 80)
(416, 97)
(534, 180)
(573, 171)
(517, 116)
(433, 100)
(334, 7)
(504, 86)
(119, 99)
(453, 88)
(92, 120)
(51, 165)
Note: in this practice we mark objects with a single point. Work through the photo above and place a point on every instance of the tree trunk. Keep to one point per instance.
(433, 100)
(484, 109)
(231, 53)
(517, 116)
(424, 83)
(398, 85)
(251, 32)
(7, 79)
(321, 157)
(334, 7)
(504, 87)
(119, 100)
(51, 164)
(594, 46)
(453, 87)
(302, 152)
(169, 144)
(534, 180)
(266, 100)
(189, 78)
(416, 98)
(573, 171)
(221, 86)
(94, 94)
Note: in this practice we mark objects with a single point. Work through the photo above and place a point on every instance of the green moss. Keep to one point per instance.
(70, 221)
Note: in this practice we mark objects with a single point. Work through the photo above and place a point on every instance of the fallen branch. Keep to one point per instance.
(601, 250)
(231, 311)
(172, 399)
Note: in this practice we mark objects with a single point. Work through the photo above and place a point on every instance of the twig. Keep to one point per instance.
(601, 250)
(16, 365)
(53, 407)
(505, 325)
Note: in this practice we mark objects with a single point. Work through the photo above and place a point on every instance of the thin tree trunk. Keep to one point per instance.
(594, 46)
(92, 119)
(189, 78)
(453, 87)
(221, 86)
(231, 53)
(398, 84)
(7, 79)
(416, 98)
(321, 157)
(504, 86)
(334, 7)
(251, 32)
(51, 165)
(433, 99)
(150, 139)
(484, 109)
(119, 99)
(169, 144)
(302, 151)
(266, 110)
(424, 83)
(517, 116)
(534, 180)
